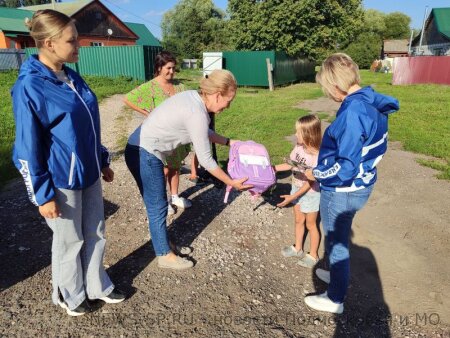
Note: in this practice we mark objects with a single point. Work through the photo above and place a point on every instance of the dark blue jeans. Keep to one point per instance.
(148, 171)
(337, 210)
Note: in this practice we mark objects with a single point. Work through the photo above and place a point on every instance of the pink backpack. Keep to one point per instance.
(250, 159)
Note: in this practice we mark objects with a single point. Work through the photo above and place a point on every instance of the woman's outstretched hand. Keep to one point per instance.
(239, 184)
(50, 210)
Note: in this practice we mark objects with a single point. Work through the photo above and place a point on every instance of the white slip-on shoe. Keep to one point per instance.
(179, 263)
(323, 275)
(308, 261)
(323, 303)
(289, 251)
(181, 202)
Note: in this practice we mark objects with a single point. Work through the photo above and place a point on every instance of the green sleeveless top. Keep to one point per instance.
(150, 95)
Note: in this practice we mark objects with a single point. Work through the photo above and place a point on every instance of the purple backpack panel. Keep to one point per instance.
(250, 159)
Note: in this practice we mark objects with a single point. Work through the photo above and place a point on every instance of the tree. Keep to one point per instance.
(313, 28)
(394, 25)
(374, 22)
(194, 26)
(19, 3)
(397, 26)
(365, 49)
(377, 27)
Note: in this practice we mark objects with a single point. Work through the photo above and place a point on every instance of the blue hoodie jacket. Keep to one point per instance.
(355, 142)
(57, 132)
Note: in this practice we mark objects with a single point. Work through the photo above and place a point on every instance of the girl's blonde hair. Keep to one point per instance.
(46, 24)
(218, 81)
(338, 71)
(309, 127)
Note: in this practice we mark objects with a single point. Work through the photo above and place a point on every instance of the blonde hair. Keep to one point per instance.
(46, 24)
(309, 127)
(338, 71)
(218, 81)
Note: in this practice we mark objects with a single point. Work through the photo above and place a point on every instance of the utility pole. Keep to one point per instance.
(423, 28)
(410, 42)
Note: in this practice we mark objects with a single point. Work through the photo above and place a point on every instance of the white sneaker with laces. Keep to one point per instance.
(323, 275)
(323, 303)
(181, 202)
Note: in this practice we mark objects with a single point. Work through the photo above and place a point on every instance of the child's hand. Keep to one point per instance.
(309, 175)
(108, 174)
(287, 199)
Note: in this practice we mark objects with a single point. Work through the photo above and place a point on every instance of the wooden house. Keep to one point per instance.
(436, 34)
(13, 32)
(96, 24)
(394, 48)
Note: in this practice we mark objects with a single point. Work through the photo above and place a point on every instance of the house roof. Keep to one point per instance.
(72, 8)
(146, 38)
(442, 17)
(68, 8)
(395, 46)
(13, 20)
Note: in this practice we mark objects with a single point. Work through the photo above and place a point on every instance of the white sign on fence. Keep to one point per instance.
(211, 61)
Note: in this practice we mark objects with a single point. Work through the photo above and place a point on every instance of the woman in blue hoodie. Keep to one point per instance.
(58, 152)
(352, 146)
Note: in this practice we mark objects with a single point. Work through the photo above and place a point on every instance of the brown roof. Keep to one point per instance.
(395, 46)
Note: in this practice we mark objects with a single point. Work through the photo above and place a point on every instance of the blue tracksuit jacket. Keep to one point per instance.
(57, 141)
(355, 142)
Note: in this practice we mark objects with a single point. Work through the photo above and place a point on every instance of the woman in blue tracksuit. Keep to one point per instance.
(58, 152)
(351, 148)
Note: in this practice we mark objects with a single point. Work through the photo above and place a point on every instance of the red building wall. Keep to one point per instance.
(422, 69)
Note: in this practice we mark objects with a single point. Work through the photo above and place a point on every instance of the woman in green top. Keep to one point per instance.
(147, 97)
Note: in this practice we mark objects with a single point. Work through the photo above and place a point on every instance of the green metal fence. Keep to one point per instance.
(250, 67)
(129, 61)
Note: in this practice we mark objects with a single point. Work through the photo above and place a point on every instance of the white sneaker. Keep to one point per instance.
(323, 275)
(323, 303)
(170, 210)
(181, 202)
(289, 251)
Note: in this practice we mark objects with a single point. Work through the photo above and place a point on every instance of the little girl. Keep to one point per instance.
(304, 195)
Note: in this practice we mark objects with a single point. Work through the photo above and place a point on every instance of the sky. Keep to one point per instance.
(150, 12)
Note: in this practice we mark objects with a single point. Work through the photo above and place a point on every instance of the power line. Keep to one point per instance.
(137, 16)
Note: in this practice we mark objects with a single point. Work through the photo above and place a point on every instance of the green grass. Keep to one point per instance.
(190, 77)
(102, 87)
(7, 171)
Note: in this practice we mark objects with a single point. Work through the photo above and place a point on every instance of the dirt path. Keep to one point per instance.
(240, 286)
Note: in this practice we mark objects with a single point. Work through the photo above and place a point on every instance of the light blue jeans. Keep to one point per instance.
(148, 171)
(78, 246)
(337, 210)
